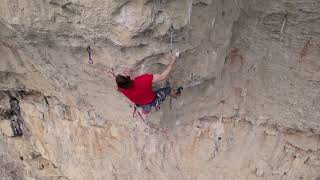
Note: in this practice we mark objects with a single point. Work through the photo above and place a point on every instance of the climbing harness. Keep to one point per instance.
(155, 104)
(89, 52)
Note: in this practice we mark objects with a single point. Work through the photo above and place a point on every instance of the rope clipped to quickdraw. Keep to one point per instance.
(171, 37)
(89, 52)
(171, 29)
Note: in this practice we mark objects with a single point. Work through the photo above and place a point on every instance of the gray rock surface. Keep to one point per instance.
(250, 107)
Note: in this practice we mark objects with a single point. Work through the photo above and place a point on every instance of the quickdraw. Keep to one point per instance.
(171, 37)
(179, 91)
(134, 114)
(89, 52)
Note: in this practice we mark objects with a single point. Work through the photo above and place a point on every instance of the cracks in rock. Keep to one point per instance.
(149, 58)
(305, 50)
(16, 118)
(264, 124)
(287, 148)
(148, 28)
(127, 48)
(13, 112)
(197, 82)
(118, 9)
(209, 119)
(46, 100)
(54, 3)
(14, 53)
(15, 97)
(68, 6)
(179, 35)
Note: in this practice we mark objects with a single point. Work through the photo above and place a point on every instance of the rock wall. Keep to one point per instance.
(250, 107)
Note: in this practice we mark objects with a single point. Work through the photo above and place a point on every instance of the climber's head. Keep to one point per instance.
(124, 82)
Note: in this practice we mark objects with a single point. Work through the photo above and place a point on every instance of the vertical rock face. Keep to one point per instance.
(250, 107)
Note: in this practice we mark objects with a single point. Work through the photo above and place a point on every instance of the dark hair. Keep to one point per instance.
(124, 82)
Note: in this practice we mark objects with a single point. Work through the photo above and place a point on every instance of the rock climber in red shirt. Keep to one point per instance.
(139, 90)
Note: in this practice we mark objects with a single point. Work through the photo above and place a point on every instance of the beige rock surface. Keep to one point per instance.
(5, 128)
(250, 108)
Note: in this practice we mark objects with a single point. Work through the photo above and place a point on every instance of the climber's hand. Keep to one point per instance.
(110, 74)
(165, 73)
(177, 54)
(127, 71)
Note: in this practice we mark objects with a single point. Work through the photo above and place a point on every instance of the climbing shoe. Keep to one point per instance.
(179, 91)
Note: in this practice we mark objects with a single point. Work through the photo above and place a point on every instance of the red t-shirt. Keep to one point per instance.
(141, 91)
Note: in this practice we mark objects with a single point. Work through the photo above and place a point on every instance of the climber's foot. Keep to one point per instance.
(175, 94)
(179, 91)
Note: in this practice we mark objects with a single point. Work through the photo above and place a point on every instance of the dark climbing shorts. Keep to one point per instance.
(161, 95)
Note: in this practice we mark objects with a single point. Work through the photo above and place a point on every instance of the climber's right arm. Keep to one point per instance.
(166, 72)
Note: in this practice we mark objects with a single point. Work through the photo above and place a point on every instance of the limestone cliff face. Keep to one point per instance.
(250, 108)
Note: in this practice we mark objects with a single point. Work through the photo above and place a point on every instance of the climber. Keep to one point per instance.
(139, 90)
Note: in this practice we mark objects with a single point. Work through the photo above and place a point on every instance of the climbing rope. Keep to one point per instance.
(284, 22)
